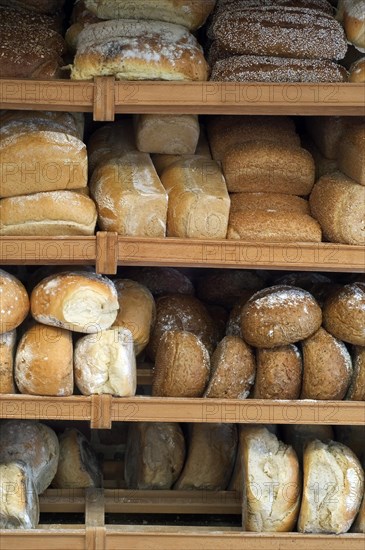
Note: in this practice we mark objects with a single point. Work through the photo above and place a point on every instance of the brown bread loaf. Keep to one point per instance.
(279, 373)
(351, 153)
(14, 302)
(357, 71)
(7, 351)
(252, 202)
(344, 314)
(356, 391)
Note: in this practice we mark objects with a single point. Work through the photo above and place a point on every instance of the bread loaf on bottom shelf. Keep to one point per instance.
(7, 350)
(19, 505)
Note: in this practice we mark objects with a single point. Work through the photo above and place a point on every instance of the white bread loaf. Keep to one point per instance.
(52, 213)
(7, 350)
(351, 152)
(129, 196)
(356, 390)
(269, 202)
(167, 134)
(105, 363)
(344, 313)
(44, 361)
(279, 373)
(210, 459)
(19, 505)
(33, 443)
(78, 465)
(78, 301)
(110, 140)
(198, 199)
(154, 455)
(14, 302)
(333, 487)
(138, 50)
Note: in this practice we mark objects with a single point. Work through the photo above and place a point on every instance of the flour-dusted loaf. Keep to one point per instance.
(198, 199)
(333, 487)
(137, 311)
(7, 351)
(129, 196)
(14, 302)
(110, 141)
(33, 443)
(78, 465)
(356, 391)
(105, 363)
(75, 300)
(154, 455)
(298, 435)
(19, 505)
(344, 314)
(138, 50)
(279, 315)
(44, 361)
(268, 202)
(210, 458)
(351, 153)
(167, 134)
(279, 373)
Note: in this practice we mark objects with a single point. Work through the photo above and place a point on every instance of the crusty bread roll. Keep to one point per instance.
(210, 459)
(7, 350)
(279, 315)
(271, 481)
(154, 455)
(52, 213)
(279, 373)
(226, 286)
(19, 505)
(79, 301)
(359, 524)
(233, 370)
(198, 199)
(14, 302)
(266, 167)
(182, 312)
(356, 391)
(33, 443)
(182, 366)
(344, 314)
(333, 486)
(137, 311)
(78, 465)
(298, 435)
(44, 361)
(129, 196)
(354, 22)
(357, 71)
(110, 141)
(320, 350)
(105, 363)
(167, 134)
(269, 202)
(161, 280)
(138, 50)
(351, 153)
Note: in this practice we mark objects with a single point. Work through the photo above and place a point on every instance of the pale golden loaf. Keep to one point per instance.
(14, 302)
(7, 351)
(353, 19)
(19, 509)
(344, 314)
(167, 134)
(279, 373)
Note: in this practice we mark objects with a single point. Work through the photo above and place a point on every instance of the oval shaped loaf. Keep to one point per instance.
(14, 302)
(357, 387)
(279, 373)
(279, 315)
(344, 314)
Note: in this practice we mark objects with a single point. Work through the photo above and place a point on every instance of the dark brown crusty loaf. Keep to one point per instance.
(38, 6)
(233, 5)
(279, 373)
(344, 314)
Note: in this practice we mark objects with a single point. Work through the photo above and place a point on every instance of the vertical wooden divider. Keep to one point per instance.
(101, 412)
(104, 98)
(95, 538)
(106, 252)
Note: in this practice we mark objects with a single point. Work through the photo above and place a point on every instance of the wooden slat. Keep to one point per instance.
(47, 250)
(101, 412)
(104, 98)
(94, 519)
(45, 408)
(50, 538)
(106, 252)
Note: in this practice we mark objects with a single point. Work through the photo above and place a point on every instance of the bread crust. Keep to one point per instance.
(279, 373)
(14, 302)
(344, 314)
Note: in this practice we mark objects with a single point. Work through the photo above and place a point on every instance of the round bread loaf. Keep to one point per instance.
(298, 435)
(137, 311)
(279, 373)
(344, 314)
(7, 349)
(78, 466)
(182, 366)
(19, 508)
(154, 455)
(79, 301)
(357, 71)
(182, 313)
(33, 443)
(327, 367)
(161, 280)
(44, 361)
(279, 315)
(359, 524)
(232, 370)
(225, 286)
(14, 302)
(356, 390)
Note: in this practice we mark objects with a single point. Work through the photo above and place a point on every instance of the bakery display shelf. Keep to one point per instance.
(105, 97)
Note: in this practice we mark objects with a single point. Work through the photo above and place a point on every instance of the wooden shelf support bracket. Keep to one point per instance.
(104, 98)
(106, 253)
(95, 519)
(101, 409)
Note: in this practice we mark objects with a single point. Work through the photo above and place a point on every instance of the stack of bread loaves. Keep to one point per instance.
(276, 41)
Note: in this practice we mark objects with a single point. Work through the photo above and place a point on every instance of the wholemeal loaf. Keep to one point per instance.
(226, 286)
(344, 314)
(161, 280)
(279, 373)
(269, 202)
(298, 435)
(356, 391)
(231, 5)
(351, 152)
(333, 486)
(110, 141)
(279, 315)
(78, 301)
(19, 505)
(14, 302)
(167, 134)
(7, 350)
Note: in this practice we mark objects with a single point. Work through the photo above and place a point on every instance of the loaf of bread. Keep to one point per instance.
(351, 153)
(279, 315)
(138, 50)
(268, 167)
(333, 487)
(356, 390)
(105, 363)
(357, 71)
(78, 301)
(338, 204)
(233, 327)
(78, 465)
(9, 13)
(44, 361)
(182, 366)
(129, 196)
(359, 524)
(344, 314)
(279, 373)
(7, 351)
(226, 286)
(268, 202)
(19, 504)
(320, 350)
(198, 199)
(353, 19)
(14, 302)
(154, 455)
(167, 134)
(231, 5)
(110, 141)
(298, 435)
(233, 370)
(210, 458)
(161, 280)
(33, 443)
(80, 18)
(137, 311)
